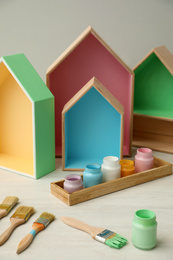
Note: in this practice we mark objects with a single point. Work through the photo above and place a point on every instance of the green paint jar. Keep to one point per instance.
(144, 229)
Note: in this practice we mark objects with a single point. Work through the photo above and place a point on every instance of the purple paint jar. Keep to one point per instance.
(143, 160)
(73, 182)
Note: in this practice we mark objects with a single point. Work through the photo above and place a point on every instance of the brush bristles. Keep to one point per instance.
(111, 239)
(8, 203)
(116, 241)
(48, 216)
(10, 200)
(23, 212)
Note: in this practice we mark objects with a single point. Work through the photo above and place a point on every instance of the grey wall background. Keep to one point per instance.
(42, 29)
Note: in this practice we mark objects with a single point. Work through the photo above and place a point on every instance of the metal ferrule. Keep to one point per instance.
(104, 235)
(21, 215)
(43, 221)
(7, 207)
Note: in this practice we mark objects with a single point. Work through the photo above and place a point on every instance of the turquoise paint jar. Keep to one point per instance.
(92, 175)
(144, 229)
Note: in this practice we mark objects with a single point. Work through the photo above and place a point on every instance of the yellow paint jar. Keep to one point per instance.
(127, 167)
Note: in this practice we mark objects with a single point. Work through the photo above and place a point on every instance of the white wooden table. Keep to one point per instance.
(114, 211)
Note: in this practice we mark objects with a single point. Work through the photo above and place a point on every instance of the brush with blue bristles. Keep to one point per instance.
(102, 235)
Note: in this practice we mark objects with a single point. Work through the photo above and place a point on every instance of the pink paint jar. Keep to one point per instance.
(73, 182)
(143, 160)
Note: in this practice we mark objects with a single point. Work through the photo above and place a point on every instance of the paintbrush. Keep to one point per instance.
(102, 235)
(8, 203)
(21, 215)
(41, 223)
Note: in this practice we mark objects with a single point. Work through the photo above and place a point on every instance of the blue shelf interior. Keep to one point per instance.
(92, 131)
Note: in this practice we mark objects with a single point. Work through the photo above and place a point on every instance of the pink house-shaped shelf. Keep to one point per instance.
(89, 56)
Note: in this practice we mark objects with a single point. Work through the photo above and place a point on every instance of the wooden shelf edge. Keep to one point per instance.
(154, 117)
(159, 146)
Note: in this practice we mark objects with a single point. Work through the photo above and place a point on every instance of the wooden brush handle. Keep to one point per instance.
(93, 231)
(3, 213)
(24, 243)
(6, 234)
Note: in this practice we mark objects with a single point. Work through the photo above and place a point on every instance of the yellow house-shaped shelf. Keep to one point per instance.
(26, 119)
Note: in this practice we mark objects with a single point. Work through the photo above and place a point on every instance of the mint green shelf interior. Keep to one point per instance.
(153, 89)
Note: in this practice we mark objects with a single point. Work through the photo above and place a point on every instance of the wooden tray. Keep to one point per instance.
(161, 169)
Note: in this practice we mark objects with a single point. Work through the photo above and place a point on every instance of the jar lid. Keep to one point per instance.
(93, 167)
(145, 216)
(144, 152)
(111, 160)
(129, 164)
(75, 178)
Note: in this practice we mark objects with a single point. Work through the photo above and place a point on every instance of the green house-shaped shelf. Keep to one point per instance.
(153, 106)
(27, 143)
(92, 127)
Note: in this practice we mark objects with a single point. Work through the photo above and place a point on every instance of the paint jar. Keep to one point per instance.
(73, 182)
(111, 168)
(92, 175)
(143, 160)
(127, 167)
(144, 229)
